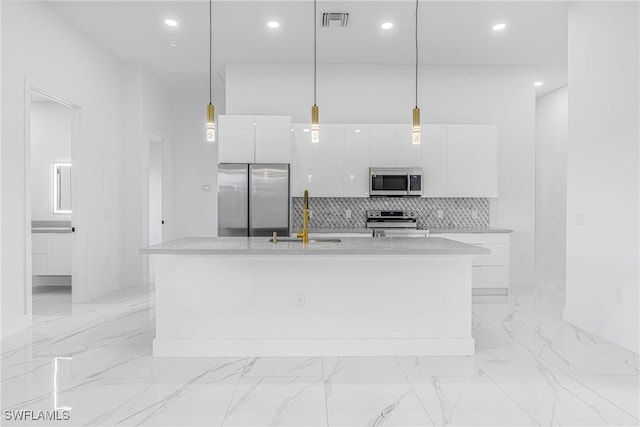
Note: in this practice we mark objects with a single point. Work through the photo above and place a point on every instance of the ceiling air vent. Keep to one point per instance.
(335, 19)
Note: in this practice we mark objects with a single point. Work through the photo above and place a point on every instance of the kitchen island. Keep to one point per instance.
(234, 296)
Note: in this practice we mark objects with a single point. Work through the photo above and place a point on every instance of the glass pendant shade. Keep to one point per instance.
(415, 131)
(211, 124)
(315, 124)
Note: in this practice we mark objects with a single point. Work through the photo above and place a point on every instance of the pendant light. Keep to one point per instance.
(415, 130)
(211, 124)
(315, 112)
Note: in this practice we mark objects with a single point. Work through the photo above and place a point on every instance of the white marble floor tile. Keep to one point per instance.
(188, 392)
(622, 391)
(285, 367)
(468, 401)
(370, 392)
(562, 350)
(546, 393)
(278, 401)
(430, 366)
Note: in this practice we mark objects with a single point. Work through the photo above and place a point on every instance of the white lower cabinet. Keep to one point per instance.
(490, 272)
(51, 254)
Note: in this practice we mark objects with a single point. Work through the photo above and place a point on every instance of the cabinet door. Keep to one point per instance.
(273, 139)
(434, 160)
(382, 150)
(59, 257)
(484, 167)
(304, 167)
(236, 136)
(407, 153)
(459, 160)
(356, 160)
(330, 161)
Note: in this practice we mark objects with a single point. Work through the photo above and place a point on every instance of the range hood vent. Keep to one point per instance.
(335, 19)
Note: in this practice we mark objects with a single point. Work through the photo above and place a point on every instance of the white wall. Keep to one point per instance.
(50, 142)
(37, 45)
(147, 115)
(385, 94)
(603, 170)
(551, 180)
(195, 213)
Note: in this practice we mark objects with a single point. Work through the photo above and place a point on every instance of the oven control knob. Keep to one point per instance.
(412, 214)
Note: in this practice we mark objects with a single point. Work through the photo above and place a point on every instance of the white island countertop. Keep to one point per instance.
(346, 246)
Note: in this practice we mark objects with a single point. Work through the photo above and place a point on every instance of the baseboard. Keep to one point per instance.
(313, 347)
(14, 326)
(625, 340)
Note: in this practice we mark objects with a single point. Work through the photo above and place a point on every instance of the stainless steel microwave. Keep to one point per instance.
(395, 181)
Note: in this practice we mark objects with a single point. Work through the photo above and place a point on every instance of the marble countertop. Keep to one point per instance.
(347, 246)
(431, 230)
(470, 230)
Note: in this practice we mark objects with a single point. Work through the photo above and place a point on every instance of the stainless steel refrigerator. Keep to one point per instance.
(253, 199)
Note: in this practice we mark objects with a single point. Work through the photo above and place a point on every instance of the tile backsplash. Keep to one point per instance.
(330, 212)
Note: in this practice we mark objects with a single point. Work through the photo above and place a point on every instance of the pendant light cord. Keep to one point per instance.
(416, 53)
(210, 48)
(315, 24)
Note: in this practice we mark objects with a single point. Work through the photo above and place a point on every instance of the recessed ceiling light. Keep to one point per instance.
(537, 84)
(170, 22)
(357, 131)
(499, 27)
(173, 44)
(306, 130)
(273, 24)
(387, 25)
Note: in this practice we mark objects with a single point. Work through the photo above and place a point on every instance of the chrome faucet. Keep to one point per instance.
(305, 219)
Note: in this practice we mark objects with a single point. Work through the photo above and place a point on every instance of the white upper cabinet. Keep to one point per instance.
(459, 158)
(484, 167)
(382, 141)
(330, 160)
(236, 139)
(472, 161)
(254, 139)
(273, 139)
(407, 153)
(434, 160)
(304, 165)
(356, 161)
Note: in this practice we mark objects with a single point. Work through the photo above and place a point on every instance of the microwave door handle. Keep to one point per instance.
(408, 183)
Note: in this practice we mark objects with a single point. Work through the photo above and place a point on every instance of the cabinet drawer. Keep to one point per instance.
(475, 238)
(499, 255)
(490, 276)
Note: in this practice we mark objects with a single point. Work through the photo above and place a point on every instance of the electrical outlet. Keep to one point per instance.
(440, 214)
(347, 213)
(580, 219)
(474, 214)
(310, 214)
(299, 301)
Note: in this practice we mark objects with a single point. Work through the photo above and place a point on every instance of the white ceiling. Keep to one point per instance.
(450, 32)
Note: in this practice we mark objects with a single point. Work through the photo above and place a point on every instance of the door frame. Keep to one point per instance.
(158, 136)
(77, 285)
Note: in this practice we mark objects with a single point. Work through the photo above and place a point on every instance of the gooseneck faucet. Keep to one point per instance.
(305, 219)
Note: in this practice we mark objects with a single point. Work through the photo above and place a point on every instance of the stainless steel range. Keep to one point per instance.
(394, 223)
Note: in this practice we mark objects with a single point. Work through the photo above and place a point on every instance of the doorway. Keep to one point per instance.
(155, 221)
(51, 129)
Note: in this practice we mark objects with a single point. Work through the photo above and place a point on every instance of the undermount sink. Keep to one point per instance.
(293, 239)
